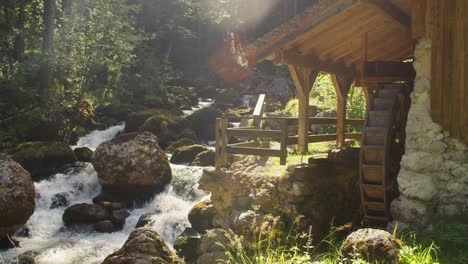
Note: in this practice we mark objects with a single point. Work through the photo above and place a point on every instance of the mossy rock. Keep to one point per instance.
(186, 154)
(204, 122)
(205, 158)
(166, 127)
(42, 159)
(180, 143)
(183, 102)
(83, 154)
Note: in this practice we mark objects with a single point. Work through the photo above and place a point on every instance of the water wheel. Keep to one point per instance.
(383, 140)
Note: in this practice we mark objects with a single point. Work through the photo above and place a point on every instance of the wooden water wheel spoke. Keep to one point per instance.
(381, 151)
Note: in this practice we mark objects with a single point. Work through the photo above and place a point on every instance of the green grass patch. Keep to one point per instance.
(275, 248)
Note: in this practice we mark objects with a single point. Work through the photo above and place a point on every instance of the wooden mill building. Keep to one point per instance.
(410, 57)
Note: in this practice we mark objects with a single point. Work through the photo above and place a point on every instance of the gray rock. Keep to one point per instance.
(373, 245)
(85, 214)
(17, 196)
(132, 167)
(144, 245)
(104, 226)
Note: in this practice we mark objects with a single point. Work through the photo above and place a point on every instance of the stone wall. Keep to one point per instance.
(433, 180)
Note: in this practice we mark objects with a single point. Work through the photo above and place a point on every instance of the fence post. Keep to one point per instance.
(284, 139)
(221, 142)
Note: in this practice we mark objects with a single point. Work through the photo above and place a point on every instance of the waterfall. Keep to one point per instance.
(57, 244)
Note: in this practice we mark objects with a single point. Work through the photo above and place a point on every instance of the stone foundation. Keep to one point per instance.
(433, 180)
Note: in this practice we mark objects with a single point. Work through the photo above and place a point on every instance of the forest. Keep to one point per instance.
(63, 62)
(149, 131)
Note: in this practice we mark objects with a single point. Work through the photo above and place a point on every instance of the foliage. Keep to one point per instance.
(450, 236)
(291, 249)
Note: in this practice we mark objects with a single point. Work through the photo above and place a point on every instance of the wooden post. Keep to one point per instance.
(303, 79)
(342, 86)
(221, 142)
(284, 139)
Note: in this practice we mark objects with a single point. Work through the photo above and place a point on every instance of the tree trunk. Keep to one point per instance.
(66, 16)
(9, 10)
(19, 40)
(47, 48)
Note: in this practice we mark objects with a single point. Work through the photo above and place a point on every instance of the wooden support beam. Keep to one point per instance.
(342, 86)
(418, 18)
(221, 142)
(391, 11)
(293, 57)
(303, 79)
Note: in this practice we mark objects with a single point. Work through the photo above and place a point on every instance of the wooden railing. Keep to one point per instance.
(252, 134)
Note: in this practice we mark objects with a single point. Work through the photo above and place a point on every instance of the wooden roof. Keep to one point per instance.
(332, 34)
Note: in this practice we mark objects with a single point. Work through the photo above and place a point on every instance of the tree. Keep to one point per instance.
(47, 48)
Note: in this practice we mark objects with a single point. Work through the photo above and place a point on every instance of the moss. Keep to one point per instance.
(203, 122)
(42, 158)
(180, 143)
(205, 158)
(186, 154)
(3, 191)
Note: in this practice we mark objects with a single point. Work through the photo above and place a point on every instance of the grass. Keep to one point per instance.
(316, 150)
(296, 249)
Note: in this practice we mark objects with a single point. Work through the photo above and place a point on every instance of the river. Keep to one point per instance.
(59, 245)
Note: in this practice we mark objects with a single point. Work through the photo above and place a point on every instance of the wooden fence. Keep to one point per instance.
(251, 135)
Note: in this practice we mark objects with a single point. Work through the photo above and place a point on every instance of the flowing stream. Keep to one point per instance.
(59, 245)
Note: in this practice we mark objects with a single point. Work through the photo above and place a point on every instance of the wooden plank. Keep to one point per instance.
(258, 111)
(342, 30)
(391, 11)
(291, 36)
(342, 86)
(284, 142)
(457, 94)
(263, 152)
(438, 69)
(303, 79)
(464, 89)
(221, 142)
(418, 18)
(254, 133)
(311, 61)
(249, 144)
(292, 140)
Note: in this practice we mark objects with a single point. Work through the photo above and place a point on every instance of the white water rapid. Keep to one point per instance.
(57, 245)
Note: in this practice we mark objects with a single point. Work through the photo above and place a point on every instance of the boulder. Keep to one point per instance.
(373, 245)
(180, 143)
(85, 214)
(42, 159)
(186, 244)
(27, 257)
(104, 226)
(201, 216)
(205, 158)
(83, 154)
(183, 102)
(60, 200)
(118, 217)
(204, 122)
(186, 154)
(132, 167)
(145, 219)
(17, 196)
(166, 125)
(143, 246)
(215, 246)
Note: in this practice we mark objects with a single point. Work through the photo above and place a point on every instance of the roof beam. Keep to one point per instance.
(311, 61)
(294, 30)
(388, 9)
